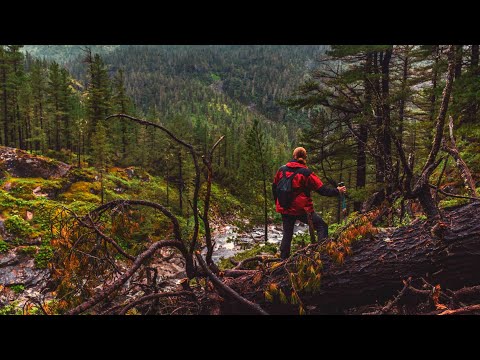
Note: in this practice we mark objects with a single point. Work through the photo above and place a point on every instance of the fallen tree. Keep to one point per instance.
(445, 253)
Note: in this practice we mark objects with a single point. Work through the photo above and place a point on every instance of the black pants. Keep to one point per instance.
(289, 222)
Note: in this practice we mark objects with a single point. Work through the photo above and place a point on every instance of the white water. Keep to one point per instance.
(229, 240)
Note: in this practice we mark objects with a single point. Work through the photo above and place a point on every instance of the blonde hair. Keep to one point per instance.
(300, 154)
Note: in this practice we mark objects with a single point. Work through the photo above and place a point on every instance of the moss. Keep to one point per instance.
(82, 191)
(452, 202)
(82, 174)
(23, 187)
(17, 289)
(43, 257)
(8, 202)
(16, 225)
(11, 309)
(3, 246)
(225, 204)
(28, 250)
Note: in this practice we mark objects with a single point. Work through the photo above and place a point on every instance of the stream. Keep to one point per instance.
(229, 240)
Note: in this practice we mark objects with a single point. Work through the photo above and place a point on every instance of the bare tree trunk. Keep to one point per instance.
(474, 59)
(265, 207)
(458, 61)
(472, 111)
(379, 164)
(386, 139)
(401, 111)
(361, 177)
(339, 202)
(168, 187)
(433, 98)
(448, 258)
(5, 105)
(207, 160)
(180, 182)
(421, 189)
(461, 165)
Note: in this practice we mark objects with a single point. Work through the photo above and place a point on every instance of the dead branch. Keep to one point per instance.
(121, 202)
(228, 290)
(259, 258)
(155, 296)
(194, 155)
(387, 308)
(109, 239)
(463, 310)
(139, 261)
(443, 109)
(207, 160)
(237, 273)
(465, 172)
(466, 291)
(452, 195)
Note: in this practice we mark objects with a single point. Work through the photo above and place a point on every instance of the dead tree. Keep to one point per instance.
(462, 167)
(446, 254)
(207, 160)
(417, 186)
(95, 250)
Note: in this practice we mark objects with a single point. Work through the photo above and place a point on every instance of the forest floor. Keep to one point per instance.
(34, 188)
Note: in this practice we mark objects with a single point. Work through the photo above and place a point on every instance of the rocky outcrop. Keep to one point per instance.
(19, 163)
(17, 269)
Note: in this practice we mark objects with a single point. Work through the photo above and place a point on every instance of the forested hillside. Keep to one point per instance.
(58, 108)
(63, 53)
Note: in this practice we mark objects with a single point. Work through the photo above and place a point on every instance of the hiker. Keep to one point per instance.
(293, 199)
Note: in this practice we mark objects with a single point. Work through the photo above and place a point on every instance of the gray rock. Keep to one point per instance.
(19, 163)
(8, 259)
(21, 273)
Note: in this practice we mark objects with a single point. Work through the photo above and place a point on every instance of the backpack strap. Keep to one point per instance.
(295, 171)
(304, 171)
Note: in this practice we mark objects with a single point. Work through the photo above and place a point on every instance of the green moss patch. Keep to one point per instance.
(82, 191)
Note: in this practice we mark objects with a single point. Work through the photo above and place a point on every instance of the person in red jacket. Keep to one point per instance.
(303, 182)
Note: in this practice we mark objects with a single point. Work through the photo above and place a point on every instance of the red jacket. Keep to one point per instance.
(302, 203)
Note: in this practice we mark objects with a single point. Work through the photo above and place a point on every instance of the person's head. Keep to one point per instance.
(300, 154)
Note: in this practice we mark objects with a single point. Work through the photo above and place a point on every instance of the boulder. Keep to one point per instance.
(19, 163)
(16, 269)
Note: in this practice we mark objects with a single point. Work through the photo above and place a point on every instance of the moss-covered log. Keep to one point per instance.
(445, 253)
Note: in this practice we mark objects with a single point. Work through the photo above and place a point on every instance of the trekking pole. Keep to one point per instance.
(311, 230)
(343, 201)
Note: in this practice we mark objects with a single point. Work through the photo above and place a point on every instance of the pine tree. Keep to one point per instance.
(98, 94)
(257, 156)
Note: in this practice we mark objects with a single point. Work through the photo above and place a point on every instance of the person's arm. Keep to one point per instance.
(274, 186)
(274, 191)
(315, 184)
(328, 191)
